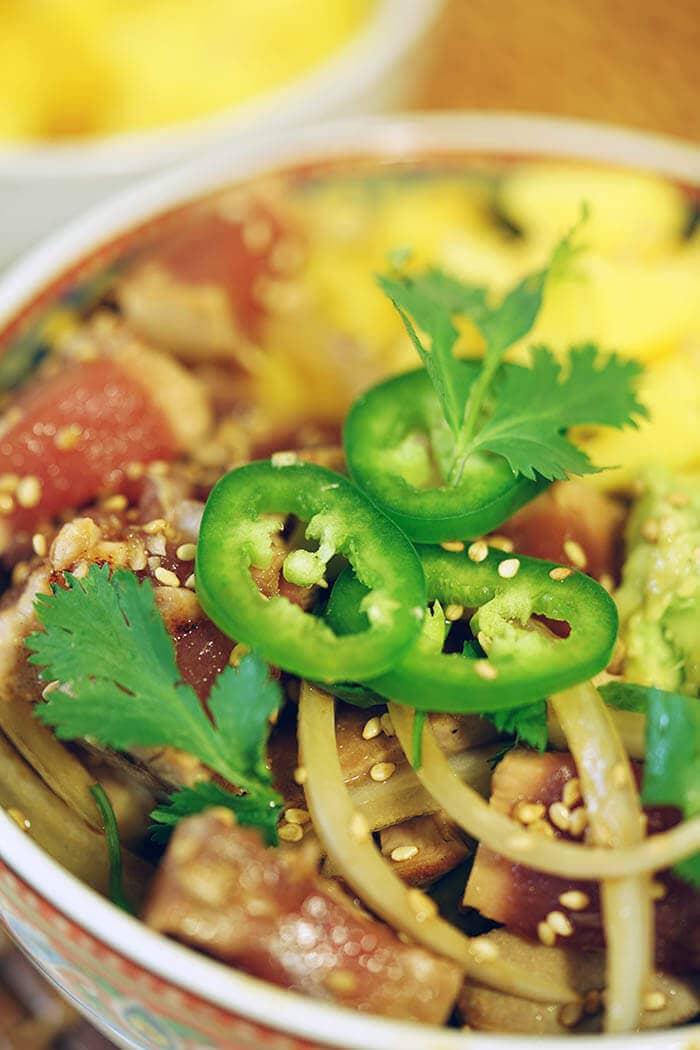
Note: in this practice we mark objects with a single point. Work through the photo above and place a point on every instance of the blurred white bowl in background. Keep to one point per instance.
(42, 185)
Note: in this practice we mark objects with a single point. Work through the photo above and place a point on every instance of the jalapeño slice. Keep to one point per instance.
(246, 508)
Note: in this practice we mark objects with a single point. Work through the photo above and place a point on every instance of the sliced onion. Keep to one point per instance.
(630, 726)
(505, 836)
(615, 819)
(355, 856)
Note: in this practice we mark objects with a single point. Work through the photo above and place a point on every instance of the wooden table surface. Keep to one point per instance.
(632, 62)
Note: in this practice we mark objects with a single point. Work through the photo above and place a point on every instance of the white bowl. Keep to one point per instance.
(148, 993)
(44, 184)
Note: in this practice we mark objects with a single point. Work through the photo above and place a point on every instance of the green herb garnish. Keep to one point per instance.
(527, 724)
(106, 644)
(672, 764)
(114, 848)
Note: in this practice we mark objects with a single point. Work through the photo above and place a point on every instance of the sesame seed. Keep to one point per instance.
(166, 577)
(284, 459)
(509, 568)
(401, 853)
(453, 545)
(341, 982)
(28, 491)
(116, 502)
(546, 934)
(606, 582)
(541, 827)
(478, 551)
(387, 724)
(7, 504)
(485, 670)
(19, 818)
(561, 572)
(297, 816)
(574, 900)
(291, 833)
(134, 471)
(578, 822)
(372, 728)
(570, 1014)
(501, 543)
(137, 560)
(484, 640)
(659, 891)
(237, 653)
(300, 775)
(39, 544)
(190, 582)
(186, 551)
(654, 1001)
(560, 816)
(560, 923)
(422, 906)
(359, 828)
(8, 482)
(155, 525)
(68, 437)
(528, 812)
(453, 612)
(381, 771)
(483, 950)
(575, 553)
(572, 792)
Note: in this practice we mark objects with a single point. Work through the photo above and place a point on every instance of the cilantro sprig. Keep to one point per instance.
(531, 410)
(672, 765)
(105, 642)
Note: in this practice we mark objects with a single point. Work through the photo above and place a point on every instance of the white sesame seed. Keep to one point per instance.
(454, 612)
(20, 573)
(7, 504)
(528, 812)
(574, 900)
(654, 1001)
(372, 728)
(341, 982)
(485, 670)
(606, 582)
(387, 724)
(186, 551)
(39, 544)
(381, 771)
(155, 525)
(578, 822)
(572, 792)
(453, 545)
(68, 437)
(560, 923)
(501, 543)
(134, 471)
(166, 577)
(297, 816)
(28, 491)
(284, 459)
(401, 853)
(541, 827)
(546, 934)
(190, 582)
(570, 1014)
(509, 568)
(575, 553)
(116, 502)
(560, 816)
(300, 775)
(478, 551)
(291, 833)
(359, 828)
(561, 572)
(483, 950)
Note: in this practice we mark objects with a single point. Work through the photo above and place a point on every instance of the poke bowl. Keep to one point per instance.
(295, 756)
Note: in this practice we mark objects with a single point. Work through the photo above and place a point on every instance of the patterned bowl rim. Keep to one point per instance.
(386, 137)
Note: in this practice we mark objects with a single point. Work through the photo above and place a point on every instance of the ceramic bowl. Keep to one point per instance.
(143, 991)
(44, 184)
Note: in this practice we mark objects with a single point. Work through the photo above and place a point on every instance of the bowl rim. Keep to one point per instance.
(373, 50)
(388, 137)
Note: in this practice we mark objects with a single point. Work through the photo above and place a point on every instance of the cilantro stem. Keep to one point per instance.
(471, 418)
(114, 849)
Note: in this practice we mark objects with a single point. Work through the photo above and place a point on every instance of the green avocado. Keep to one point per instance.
(659, 599)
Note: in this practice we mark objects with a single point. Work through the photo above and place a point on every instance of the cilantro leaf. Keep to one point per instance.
(527, 723)
(672, 765)
(258, 811)
(106, 644)
(533, 408)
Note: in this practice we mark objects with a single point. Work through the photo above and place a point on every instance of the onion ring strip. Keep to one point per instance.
(505, 836)
(370, 876)
(615, 819)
